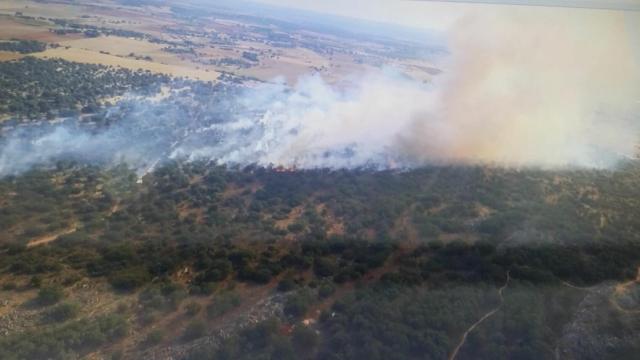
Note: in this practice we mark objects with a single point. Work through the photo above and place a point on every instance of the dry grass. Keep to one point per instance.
(114, 45)
(7, 56)
(10, 28)
(292, 217)
(37, 9)
(16, 28)
(94, 57)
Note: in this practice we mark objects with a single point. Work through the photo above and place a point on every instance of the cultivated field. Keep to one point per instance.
(158, 39)
(93, 57)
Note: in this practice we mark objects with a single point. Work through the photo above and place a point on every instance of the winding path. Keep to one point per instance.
(483, 318)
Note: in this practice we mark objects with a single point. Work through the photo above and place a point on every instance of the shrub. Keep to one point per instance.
(9, 286)
(154, 337)
(147, 317)
(194, 330)
(63, 312)
(192, 309)
(49, 295)
(298, 304)
(117, 354)
(325, 290)
(324, 267)
(286, 285)
(223, 304)
(35, 281)
(296, 227)
(304, 339)
(129, 279)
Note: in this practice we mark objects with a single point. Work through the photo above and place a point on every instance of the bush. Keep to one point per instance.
(9, 286)
(304, 339)
(194, 330)
(154, 337)
(261, 275)
(147, 317)
(35, 281)
(192, 309)
(296, 227)
(129, 279)
(67, 341)
(49, 295)
(223, 304)
(286, 285)
(63, 312)
(298, 304)
(324, 267)
(117, 354)
(325, 290)
(208, 288)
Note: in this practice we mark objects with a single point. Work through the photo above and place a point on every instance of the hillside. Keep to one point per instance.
(188, 180)
(245, 245)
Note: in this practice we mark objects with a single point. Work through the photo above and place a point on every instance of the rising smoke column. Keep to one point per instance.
(536, 86)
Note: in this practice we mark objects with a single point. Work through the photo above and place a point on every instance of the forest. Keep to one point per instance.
(32, 88)
(431, 245)
(23, 46)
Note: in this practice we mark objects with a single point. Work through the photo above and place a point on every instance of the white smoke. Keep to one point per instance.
(317, 125)
(528, 89)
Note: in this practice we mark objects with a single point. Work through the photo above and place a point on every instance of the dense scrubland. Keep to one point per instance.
(23, 46)
(35, 88)
(426, 250)
(197, 260)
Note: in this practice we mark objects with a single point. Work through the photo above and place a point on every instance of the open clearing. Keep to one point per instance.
(114, 45)
(93, 57)
(7, 56)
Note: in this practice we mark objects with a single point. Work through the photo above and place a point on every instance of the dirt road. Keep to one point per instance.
(454, 353)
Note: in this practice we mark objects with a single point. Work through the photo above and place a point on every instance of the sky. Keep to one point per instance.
(437, 16)
(441, 15)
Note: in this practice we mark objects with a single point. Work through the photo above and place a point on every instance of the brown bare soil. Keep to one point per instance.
(45, 239)
(8, 56)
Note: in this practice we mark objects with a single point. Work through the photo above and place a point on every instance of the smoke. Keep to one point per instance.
(143, 136)
(317, 125)
(534, 88)
(522, 87)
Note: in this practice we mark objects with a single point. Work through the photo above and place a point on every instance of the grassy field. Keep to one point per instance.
(94, 57)
(205, 60)
(113, 45)
(7, 56)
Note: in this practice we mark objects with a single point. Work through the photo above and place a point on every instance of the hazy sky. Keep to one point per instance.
(426, 14)
(438, 16)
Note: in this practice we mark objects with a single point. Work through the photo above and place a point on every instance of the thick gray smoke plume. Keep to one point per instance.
(517, 90)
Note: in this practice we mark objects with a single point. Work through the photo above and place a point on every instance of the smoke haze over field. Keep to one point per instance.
(527, 88)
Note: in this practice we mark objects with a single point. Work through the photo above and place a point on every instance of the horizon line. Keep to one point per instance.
(624, 5)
